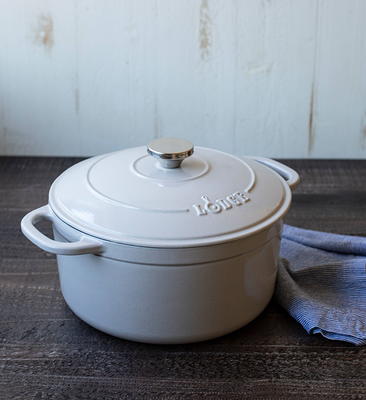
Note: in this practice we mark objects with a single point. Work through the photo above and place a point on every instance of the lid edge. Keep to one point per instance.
(164, 243)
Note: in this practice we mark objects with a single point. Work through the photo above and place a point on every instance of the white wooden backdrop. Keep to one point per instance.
(278, 78)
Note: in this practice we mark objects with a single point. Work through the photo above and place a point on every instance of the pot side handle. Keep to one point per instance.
(82, 246)
(291, 176)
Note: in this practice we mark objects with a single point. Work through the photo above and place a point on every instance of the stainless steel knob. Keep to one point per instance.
(170, 151)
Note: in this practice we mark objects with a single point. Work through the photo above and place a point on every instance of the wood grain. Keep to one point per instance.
(48, 353)
(275, 78)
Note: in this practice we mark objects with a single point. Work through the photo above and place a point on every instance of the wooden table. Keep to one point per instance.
(46, 352)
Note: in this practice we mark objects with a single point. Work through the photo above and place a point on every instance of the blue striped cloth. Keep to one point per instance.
(322, 283)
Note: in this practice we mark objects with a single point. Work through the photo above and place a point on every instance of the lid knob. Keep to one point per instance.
(170, 151)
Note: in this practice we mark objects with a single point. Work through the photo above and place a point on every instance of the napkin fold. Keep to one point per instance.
(322, 283)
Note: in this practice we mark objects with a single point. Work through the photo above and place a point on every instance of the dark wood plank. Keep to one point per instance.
(48, 353)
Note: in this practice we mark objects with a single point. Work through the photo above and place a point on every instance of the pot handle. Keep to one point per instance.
(82, 246)
(291, 176)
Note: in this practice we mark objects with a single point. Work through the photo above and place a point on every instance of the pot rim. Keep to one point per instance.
(171, 256)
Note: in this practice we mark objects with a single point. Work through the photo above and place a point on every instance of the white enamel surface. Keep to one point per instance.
(126, 197)
(82, 245)
(172, 255)
(179, 304)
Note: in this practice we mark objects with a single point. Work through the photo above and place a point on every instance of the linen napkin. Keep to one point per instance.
(322, 283)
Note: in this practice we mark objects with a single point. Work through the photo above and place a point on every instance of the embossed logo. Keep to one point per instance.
(213, 207)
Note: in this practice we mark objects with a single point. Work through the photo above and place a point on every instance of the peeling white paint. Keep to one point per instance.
(273, 78)
(259, 69)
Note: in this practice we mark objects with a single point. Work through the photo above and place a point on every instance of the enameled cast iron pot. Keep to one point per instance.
(163, 245)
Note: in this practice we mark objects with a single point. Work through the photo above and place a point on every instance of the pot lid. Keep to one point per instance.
(166, 195)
